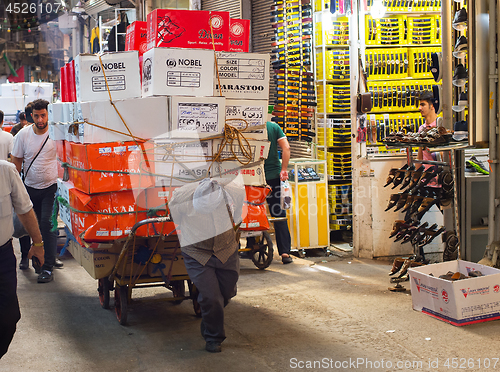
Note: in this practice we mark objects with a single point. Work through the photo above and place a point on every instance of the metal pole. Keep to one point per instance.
(447, 92)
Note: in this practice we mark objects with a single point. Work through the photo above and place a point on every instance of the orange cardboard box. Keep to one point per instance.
(93, 167)
(118, 214)
(61, 157)
(154, 201)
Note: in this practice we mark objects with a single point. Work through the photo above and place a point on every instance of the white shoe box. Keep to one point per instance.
(170, 71)
(34, 91)
(63, 188)
(12, 90)
(11, 105)
(122, 74)
(259, 150)
(145, 117)
(248, 175)
(251, 114)
(243, 75)
(196, 117)
(181, 161)
(459, 302)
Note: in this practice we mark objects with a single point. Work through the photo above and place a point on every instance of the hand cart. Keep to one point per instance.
(128, 275)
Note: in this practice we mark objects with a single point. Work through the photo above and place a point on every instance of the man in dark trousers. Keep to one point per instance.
(208, 214)
(13, 197)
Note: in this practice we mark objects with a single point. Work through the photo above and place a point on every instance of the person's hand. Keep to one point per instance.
(38, 252)
(283, 175)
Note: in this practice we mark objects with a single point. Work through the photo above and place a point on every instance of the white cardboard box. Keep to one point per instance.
(246, 175)
(460, 302)
(34, 91)
(55, 112)
(250, 114)
(196, 117)
(243, 75)
(12, 90)
(259, 150)
(11, 105)
(178, 162)
(122, 74)
(63, 188)
(145, 117)
(57, 131)
(170, 71)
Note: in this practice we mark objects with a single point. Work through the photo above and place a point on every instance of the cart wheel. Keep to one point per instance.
(121, 304)
(178, 290)
(193, 291)
(264, 256)
(103, 287)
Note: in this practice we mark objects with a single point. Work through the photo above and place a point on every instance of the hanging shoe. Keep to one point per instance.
(460, 50)
(400, 175)
(460, 76)
(393, 201)
(409, 174)
(462, 103)
(390, 177)
(419, 229)
(436, 66)
(460, 131)
(460, 20)
(478, 165)
(396, 227)
(396, 265)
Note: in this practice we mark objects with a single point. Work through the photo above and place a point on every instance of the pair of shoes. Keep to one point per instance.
(35, 262)
(45, 277)
(213, 346)
(286, 260)
(24, 264)
(58, 263)
(478, 165)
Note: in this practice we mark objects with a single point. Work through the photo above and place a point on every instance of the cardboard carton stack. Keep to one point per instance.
(122, 159)
(15, 96)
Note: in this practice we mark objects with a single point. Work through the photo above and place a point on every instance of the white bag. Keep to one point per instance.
(286, 195)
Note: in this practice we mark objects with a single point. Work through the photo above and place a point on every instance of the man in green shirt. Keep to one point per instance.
(276, 171)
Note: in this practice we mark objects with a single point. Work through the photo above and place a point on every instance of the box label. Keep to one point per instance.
(200, 117)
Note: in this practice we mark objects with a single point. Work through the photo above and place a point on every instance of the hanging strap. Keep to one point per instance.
(38, 153)
(363, 86)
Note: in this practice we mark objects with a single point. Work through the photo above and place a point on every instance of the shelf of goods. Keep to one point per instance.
(332, 68)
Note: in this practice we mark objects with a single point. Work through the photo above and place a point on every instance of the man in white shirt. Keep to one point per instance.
(6, 141)
(13, 197)
(37, 151)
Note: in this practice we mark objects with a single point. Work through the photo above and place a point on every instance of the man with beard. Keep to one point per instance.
(34, 148)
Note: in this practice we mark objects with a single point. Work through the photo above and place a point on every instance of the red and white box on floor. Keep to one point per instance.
(172, 28)
(460, 302)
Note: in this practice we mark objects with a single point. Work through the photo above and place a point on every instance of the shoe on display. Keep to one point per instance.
(460, 131)
(461, 47)
(24, 264)
(435, 67)
(460, 20)
(479, 165)
(463, 102)
(45, 277)
(460, 76)
(436, 90)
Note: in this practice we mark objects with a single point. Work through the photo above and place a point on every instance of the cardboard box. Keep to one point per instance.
(246, 175)
(12, 90)
(136, 37)
(55, 112)
(12, 105)
(61, 157)
(122, 75)
(93, 167)
(63, 188)
(135, 112)
(239, 35)
(34, 91)
(258, 149)
(178, 162)
(174, 28)
(74, 248)
(99, 259)
(243, 75)
(196, 117)
(460, 302)
(250, 114)
(170, 71)
(169, 251)
(155, 199)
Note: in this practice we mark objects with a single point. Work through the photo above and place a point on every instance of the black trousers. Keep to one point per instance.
(9, 305)
(282, 233)
(216, 282)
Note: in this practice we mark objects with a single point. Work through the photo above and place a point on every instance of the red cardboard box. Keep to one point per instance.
(93, 166)
(71, 81)
(64, 84)
(136, 37)
(174, 28)
(239, 35)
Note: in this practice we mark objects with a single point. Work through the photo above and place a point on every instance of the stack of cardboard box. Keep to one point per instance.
(124, 145)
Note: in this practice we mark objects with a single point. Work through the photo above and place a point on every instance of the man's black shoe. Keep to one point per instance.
(435, 67)
(213, 346)
(460, 20)
(45, 277)
(460, 76)
(461, 47)
(24, 264)
(58, 263)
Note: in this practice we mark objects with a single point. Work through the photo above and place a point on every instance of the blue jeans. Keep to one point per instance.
(9, 306)
(282, 233)
(43, 203)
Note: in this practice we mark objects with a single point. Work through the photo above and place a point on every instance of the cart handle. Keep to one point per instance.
(131, 236)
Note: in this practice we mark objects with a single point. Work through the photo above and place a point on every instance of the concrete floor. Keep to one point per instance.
(319, 309)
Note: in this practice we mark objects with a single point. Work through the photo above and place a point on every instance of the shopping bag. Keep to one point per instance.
(286, 195)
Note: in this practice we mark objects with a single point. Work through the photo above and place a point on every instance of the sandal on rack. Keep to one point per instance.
(409, 201)
(396, 265)
(421, 228)
(432, 234)
(408, 176)
(390, 177)
(393, 201)
(426, 204)
(400, 175)
(396, 227)
(401, 202)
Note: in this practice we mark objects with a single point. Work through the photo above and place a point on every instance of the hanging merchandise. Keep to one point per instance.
(292, 58)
